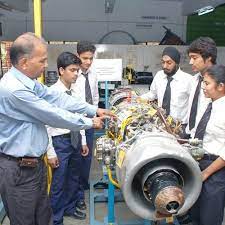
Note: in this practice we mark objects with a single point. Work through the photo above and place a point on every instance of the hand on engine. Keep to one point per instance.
(105, 112)
(98, 122)
(141, 100)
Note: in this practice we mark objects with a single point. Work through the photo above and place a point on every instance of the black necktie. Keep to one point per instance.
(74, 135)
(88, 95)
(69, 92)
(194, 106)
(200, 130)
(167, 96)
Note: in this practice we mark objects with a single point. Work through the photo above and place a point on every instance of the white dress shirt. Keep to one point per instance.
(53, 131)
(214, 138)
(180, 91)
(202, 104)
(79, 88)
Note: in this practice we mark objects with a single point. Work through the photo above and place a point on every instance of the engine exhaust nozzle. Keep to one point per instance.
(164, 190)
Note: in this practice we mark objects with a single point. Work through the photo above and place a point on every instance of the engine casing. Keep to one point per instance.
(158, 176)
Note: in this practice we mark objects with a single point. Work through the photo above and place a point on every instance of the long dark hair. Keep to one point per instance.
(217, 72)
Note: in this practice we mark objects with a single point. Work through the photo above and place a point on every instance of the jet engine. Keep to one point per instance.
(156, 170)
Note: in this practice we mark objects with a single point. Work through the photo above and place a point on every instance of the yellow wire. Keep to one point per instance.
(111, 134)
(115, 183)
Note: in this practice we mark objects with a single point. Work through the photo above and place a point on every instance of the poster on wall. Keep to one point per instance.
(108, 69)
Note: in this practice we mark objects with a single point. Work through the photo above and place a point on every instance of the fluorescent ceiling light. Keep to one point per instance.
(205, 10)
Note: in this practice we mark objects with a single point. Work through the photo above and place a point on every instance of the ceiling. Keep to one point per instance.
(20, 5)
(189, 6)
(93, 20)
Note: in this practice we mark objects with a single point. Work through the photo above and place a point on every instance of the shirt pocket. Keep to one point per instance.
(218, 128)
(179, 97)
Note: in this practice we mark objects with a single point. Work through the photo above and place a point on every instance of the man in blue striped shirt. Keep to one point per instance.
(26, 106)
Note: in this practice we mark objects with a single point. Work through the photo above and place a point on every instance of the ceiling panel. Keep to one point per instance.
(20, 5)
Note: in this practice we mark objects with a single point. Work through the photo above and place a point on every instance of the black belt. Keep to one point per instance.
(68, 135)
(9, 157)
(210, 157)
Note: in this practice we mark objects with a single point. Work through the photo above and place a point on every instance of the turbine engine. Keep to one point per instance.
(156, 171)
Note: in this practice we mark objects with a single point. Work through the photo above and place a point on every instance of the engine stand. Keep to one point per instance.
(105, 191)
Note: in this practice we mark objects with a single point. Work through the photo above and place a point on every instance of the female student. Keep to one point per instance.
(209, 209)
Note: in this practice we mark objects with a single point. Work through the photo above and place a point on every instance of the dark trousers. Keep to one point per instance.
(65, 179)
(24, 193)
(209, 208)
(86, 161)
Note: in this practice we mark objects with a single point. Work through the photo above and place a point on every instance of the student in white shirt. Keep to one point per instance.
(171, 78)
(202, 53)
(64, 155)
(209, 209)
(86, 87)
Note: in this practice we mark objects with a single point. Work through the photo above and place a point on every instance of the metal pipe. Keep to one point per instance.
(38, 31)
(38, 25)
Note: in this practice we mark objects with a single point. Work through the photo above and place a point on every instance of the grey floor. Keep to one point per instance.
(121, 211)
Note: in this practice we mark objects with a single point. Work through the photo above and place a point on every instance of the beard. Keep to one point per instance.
(172, 72)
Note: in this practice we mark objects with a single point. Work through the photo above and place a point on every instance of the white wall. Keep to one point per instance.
(71, 20)
(137, 55)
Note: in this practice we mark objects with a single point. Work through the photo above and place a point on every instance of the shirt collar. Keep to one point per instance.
(61, 85)
(87, 72)
(197, 75)
(175, 76)
(28, 82)
(218, 102)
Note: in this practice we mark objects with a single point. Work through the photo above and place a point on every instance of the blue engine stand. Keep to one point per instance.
(110, 195)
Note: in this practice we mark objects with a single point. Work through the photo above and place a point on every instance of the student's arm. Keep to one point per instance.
(51, 154)
(216, 165)
(152, 94)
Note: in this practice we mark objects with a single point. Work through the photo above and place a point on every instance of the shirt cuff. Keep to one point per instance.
(91, 111)
(148, 96)
(51, 153)
(83, 137)
(222, 153)
(145, 96)
(88, 123)
(83, 140)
